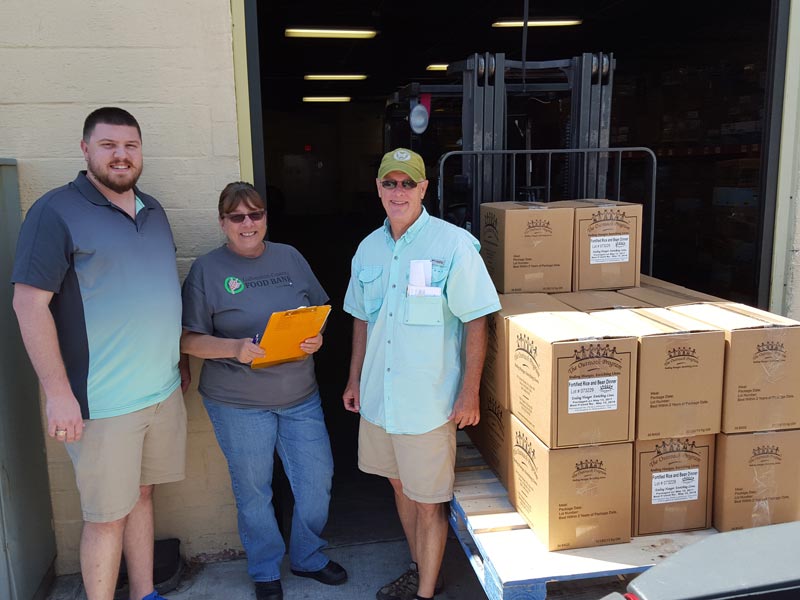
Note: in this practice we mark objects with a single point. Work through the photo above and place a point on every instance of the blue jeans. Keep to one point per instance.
(248, 438)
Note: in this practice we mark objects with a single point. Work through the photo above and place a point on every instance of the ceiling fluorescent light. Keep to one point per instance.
(331, 33)
(538, 23)
(437, 67)
(354, 77)
(326, 98)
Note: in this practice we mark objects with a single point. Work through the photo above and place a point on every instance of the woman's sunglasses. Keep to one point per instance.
(390, 184)
(256, 215)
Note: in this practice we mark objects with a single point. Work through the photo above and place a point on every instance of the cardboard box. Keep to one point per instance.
(491, 435)
(757, 479)
(495, 367)
(494, 438)
(592, 300)
(573, 497)
(673, 484)
(607, 251)
(762, 366)
(679, 381)
(527, 246)
(572, 378)
(660, 297)
(646, 281)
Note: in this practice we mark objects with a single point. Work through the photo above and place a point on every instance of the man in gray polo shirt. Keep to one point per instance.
(98, 302)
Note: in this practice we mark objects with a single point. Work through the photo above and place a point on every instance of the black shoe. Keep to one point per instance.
(330, 574)
(269, 590)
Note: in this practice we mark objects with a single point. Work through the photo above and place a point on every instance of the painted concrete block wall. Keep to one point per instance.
(170, 63)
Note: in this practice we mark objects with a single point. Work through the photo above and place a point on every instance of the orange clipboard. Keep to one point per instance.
(285, 331)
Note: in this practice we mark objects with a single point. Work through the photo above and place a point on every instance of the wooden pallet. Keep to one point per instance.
(508, 559)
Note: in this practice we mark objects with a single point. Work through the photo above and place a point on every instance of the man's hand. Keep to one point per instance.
(352, 397)
(247, 351)
(312, 344)
(352, 393)
(466, 410)
(38, 329)
(64, 421)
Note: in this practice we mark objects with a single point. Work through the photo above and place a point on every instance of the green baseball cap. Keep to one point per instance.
(403, 160)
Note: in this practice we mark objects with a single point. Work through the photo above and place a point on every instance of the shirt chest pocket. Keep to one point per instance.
(371, 282)
(427, 310)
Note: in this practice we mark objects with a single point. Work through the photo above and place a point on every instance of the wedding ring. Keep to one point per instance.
(60, 432)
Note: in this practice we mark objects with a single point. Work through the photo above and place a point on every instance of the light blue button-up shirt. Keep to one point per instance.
(415, 356)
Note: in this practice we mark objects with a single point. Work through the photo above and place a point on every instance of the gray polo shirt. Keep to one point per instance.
(230, 296)
(116, 301)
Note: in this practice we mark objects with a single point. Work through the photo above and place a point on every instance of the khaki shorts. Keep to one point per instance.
(118, 454)
(425, 463)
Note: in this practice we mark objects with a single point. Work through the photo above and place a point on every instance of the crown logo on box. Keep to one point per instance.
(770, 347)
(522, 442)
(682, 352)
(595, 351)
(490, 220)
(589, 464)
(537, 223)
(767, 450)
(526, 345)
(606, 215)
(668, 446)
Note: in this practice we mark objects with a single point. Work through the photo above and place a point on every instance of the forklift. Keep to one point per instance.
(519, 130)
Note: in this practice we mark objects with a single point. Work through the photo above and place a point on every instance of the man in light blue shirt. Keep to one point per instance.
(419, 294)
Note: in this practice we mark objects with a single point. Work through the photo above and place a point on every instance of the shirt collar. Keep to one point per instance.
(412, 231)
(93, 195)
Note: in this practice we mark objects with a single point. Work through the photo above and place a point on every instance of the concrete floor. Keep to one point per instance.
(369, 567)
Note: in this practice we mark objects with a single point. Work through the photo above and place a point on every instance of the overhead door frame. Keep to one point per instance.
(781, 170)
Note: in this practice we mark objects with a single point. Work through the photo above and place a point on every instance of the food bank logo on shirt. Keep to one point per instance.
(234, 285)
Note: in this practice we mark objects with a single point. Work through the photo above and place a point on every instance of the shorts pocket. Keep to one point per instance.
(424, 310)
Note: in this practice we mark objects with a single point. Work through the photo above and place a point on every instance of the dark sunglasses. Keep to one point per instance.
(256, 215)
(390, 184)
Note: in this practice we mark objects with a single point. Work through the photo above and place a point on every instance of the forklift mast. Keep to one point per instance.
(491, 92)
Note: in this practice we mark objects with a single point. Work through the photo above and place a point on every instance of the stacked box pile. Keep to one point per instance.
(572, 382)
(678, 410)
(757, 471)
(562, 246)
(616, 404)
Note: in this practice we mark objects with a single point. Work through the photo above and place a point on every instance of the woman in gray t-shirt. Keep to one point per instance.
(228, 298)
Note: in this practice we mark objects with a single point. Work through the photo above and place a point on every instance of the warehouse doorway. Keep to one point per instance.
(698, 82)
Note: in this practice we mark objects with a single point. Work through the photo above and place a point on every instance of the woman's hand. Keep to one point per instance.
(247, 351)
(312, 344)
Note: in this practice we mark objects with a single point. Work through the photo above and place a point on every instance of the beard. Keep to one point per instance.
(117, 182)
